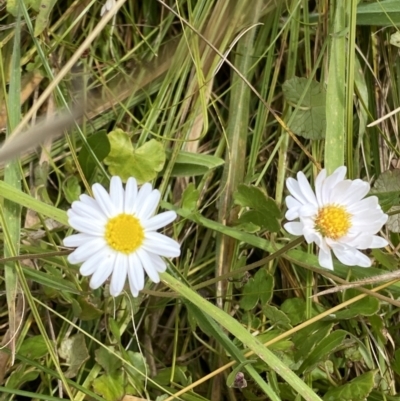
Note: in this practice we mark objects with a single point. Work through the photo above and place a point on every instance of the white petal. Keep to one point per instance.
(356, 192)
(131, 191)
(87, 226)
(294, 228)
(352, 257)
(86, 250)
(293, 206)
(325, 259)
(101, 274)
(305, 188)
(318, 186)
(94, 263)
(367, 204)
(292, 214)
(330, 182)
(314, 236)
(360, 241)
(340, 191)
(86, 211)
(143, 193)
(148, 265)
(77, 240)
(378, 242)
(294, 189)
(135, 274)
(368, 224)
(147, 209)
(159, 221)
(117, 193)
(119, 274)
(161, 245)
(308, 210)
(88, 200)
(292, 202)
(104, 201)
(158, 263)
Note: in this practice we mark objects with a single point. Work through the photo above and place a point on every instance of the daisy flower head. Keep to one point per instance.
(336, 217)
(117, 235)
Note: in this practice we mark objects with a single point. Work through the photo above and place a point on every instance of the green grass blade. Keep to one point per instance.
(12, 176)
(335, 93)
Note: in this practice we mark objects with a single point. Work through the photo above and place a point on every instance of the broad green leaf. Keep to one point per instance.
(387, 188)
(71, 189)
(12, 5)
(73, 350)
(379, 13)
(100, 146)
(306, 339)
(259, 287)
(385, 259)
(294, 308)
(107, 360)
(367, 306)
(188, 164)
(33, 347)
(88, 311)
(282, 345)
(110, 387)
(136, 376)
(395, 39)
(114, 329)
(23, 374)
(53, 282)
(264, 212)
(322, 350)
(310, 121)
(356, 390)
(396, 361)
(388, 183)
(164, 376)
(142, 163)
(276, 317)
(190, 197)
(44, 13)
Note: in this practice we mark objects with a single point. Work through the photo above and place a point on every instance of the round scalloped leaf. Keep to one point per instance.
(310, 121)
(142, 163)
(387, 189)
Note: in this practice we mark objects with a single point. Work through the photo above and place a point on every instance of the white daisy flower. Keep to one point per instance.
(335, 217)
(118, 235)
(107, 7)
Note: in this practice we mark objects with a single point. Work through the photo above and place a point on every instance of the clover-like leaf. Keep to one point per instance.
(110, 387)
(310, 120)
(260, 287)
(387, 189)
(264, 214)
(356, 390)
(73, 349)
(106, 358)
(100, 146)
(143, 163)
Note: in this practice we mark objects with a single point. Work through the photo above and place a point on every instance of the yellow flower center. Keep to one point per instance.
(124, 233)
(333, 221)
